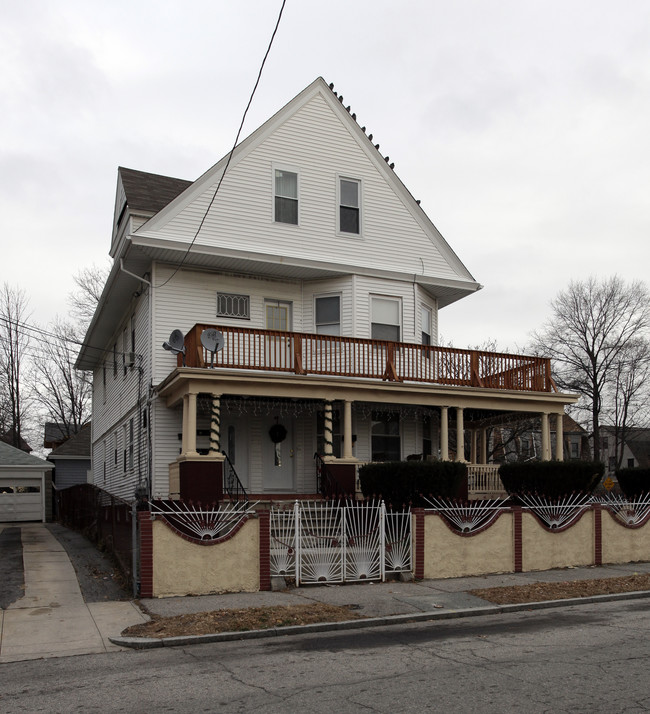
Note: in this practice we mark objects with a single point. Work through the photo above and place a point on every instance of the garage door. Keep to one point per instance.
(21, 500)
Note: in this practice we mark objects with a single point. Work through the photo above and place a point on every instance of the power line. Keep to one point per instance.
(230, 153)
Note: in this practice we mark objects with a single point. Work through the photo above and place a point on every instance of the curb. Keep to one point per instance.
(145, 643)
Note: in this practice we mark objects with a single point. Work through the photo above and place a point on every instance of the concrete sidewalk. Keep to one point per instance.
(51, 618)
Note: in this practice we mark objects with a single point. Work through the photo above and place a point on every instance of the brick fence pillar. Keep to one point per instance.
(418, 551)
(519, 559)
(264, 521)
(598, 535)
(145, 521)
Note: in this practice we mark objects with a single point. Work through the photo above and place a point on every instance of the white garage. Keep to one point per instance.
(25, 486)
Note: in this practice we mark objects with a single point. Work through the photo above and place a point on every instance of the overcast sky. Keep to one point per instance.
(522, 126)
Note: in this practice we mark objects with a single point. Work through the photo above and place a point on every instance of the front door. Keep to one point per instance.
(278, 458)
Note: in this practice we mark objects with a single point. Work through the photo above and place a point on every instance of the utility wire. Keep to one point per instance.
(230, 153)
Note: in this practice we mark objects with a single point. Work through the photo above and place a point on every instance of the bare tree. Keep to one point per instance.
(63, 392)
(590, 332)
(629, 397)
(83, 301)
(14, 343)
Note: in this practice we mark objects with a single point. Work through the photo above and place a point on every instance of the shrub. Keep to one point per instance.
(634, 482)
(552, 479)
(404, 482)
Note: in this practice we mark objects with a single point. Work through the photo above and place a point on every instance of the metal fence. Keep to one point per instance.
(335, 543)
(108, 521)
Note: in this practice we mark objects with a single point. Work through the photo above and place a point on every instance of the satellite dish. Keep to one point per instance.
(213, 341)
(176, 344)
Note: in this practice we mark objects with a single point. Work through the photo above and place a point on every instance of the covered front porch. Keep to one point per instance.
(258, 421)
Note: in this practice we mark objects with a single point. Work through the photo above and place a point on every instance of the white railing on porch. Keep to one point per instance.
(484, 479)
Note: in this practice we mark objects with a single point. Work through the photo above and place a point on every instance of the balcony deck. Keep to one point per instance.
(306, 353)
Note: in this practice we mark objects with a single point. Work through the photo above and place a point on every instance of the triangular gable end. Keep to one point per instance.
(445, 263)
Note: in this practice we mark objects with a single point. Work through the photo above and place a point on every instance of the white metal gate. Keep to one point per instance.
(334, 543)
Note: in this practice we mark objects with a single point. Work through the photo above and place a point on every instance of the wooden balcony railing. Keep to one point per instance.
(304, 353)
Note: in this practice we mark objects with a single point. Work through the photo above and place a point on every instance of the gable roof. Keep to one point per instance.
(77, 445)
(448, 285)
(10, 457)
(150, 193)
(8, 438)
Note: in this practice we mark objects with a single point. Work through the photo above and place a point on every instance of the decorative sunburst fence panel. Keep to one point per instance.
(339, 542)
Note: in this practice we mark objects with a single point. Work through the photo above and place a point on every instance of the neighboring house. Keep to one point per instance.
(325, 278)
(8, 438)
(25, 486)
(635, 449)
(522, 441)
(72, 460)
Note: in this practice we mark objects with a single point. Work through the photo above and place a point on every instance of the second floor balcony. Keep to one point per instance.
(306, 353)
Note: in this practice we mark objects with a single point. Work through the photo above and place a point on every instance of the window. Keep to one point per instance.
(604, 443)
(630, 463)
(574, 450)
(104, 382)
(115, 448)
(612, 463)
(132, 333)
(328, 315)
(349, 206)
(131, 444)
(425, 313)
(115, 359)
(386, 444)
(525, 446)
(124, 449)
(286, 197)
(231, 305)
(125, 347)
(385, 319)
(426, 437)
(277, 315)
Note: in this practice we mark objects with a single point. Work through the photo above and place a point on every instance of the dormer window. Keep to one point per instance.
(349, 202)
(286, 197)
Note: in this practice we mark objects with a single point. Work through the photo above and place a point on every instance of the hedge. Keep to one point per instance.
(403, 483)
(634, 482)
(552, 479)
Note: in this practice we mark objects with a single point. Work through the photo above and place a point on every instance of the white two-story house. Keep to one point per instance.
(323, 278)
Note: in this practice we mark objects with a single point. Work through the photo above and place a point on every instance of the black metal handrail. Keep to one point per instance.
(231, 482)
(326, 483)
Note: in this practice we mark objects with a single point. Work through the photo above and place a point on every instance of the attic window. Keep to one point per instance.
(286, 197)
(349, 190)
(231, 305)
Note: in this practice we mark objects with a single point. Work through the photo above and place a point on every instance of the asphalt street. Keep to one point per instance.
(583, 658)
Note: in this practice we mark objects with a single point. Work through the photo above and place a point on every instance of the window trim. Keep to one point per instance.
(339, 205)
(327, 295)
(275, 302)
(289, 170)
(426, 308)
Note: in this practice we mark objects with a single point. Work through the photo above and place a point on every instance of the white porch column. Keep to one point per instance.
(189, 424)
(559, 437)
(328, 448)
(484, 446)
(347, 429)
(444, 433)
(546, 433)
(460, 435)
(215, 425)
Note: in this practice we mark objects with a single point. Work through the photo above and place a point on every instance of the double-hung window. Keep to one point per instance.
(426, 324)
(349, 206)
(386, 319)
(286, 197)
(385, 434)
(328, 315)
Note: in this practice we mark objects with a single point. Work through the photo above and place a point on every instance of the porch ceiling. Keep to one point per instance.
(184, 380)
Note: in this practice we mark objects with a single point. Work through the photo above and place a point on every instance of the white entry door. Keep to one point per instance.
(278, 473)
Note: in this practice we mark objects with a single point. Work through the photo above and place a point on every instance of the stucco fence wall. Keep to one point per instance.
(518, 541)
(176, 564)
(172, 563)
